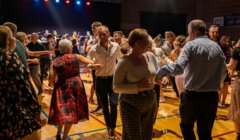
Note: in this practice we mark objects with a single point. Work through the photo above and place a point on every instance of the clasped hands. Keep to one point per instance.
(94, 66)
(163, 81)
(146, 83)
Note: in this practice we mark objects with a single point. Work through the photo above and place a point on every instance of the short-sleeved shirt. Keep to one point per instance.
(21, 52)
(35, 47)
(236, 56)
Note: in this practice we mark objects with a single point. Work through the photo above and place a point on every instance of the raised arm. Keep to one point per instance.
(38, 53)
(84, 60)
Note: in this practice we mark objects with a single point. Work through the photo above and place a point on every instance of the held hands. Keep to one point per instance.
(94, 66)
(35, 61)
(97, 66)
(163, 81)
(50, 52)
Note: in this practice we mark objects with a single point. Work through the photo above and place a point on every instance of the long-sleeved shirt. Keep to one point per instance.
(106, 57)
(203, 62)
(127, 75)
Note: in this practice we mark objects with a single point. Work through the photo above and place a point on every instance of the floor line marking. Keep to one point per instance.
(226, 133)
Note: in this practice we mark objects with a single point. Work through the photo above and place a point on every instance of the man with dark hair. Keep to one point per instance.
(203, 63)
(106, 53)
(75, 48)
(118, 35)
(213, 32)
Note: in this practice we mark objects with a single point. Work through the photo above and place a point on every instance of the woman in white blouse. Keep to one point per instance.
(134, 79)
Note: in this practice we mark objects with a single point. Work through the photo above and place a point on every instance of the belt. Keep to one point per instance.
(104, 77)
(145, 92)
(201, 92)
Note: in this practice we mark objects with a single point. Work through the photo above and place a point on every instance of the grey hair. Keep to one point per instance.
(198, 26)
(64, 46)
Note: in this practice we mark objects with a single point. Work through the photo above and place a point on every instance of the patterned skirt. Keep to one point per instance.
(234, 111)
(69, 102)
(19, 114)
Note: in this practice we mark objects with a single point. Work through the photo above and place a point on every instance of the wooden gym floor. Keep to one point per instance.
(166, 126)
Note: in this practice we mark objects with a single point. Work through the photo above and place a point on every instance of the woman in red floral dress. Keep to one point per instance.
(69, 101)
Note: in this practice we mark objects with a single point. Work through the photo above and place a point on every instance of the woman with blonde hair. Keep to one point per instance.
(20, 111)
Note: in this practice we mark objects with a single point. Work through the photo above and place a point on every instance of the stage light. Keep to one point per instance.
(88, 3)
(45, 0)
(36, 0)
(57, 1)
(67, 1)
(78, 2)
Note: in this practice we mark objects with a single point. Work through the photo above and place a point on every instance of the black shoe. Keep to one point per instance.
(96, 110)
(92, 111)
(238, 137)
(99, 112)
(111, 133)
(58, 137)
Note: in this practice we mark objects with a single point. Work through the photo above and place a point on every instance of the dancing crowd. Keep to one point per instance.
(130, 70)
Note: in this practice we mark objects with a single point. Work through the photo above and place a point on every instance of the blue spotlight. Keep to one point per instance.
(78, 2)
(57, 1)
(37, 3)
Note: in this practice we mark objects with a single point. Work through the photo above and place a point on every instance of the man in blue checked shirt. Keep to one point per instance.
(203, 64)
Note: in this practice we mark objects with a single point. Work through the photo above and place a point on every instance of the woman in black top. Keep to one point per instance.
(234, 111)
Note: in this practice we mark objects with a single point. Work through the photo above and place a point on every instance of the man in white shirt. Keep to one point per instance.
(118, 36)
(106, 53)
(91, 42)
